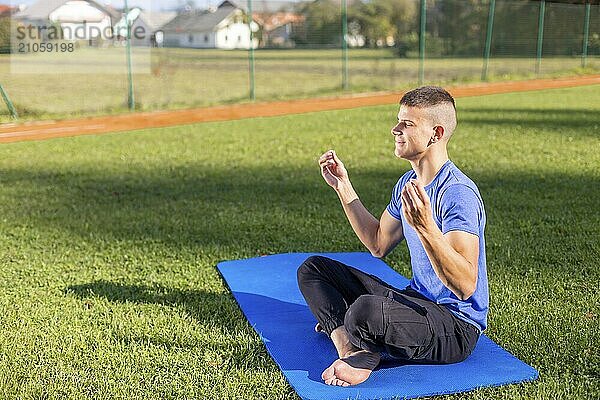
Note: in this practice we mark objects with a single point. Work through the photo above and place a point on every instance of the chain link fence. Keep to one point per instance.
(191, 58)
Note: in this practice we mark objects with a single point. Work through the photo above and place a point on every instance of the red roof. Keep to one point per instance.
(5, 9)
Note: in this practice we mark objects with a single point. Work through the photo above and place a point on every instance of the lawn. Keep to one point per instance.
(92, 82)
(109, 287)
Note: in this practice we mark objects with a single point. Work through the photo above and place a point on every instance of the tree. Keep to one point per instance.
(322, 26)
(373, 19)
(460, 26)
(380, 19)
(5, 30)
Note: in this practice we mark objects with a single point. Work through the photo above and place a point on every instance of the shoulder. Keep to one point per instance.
(458, 184)
(459, 194)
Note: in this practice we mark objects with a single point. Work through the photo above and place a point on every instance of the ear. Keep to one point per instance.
(438, 133)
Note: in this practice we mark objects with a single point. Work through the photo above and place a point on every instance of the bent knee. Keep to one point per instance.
(365, 312)
(310, 266)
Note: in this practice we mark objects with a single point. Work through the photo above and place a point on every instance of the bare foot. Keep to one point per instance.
(353, 369)
(341, 341)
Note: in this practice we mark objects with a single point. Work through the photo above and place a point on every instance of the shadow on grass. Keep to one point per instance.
(202, 305)
(550, 119)
(193, 207)
(270, 210)
(209, 309)
(279, 322)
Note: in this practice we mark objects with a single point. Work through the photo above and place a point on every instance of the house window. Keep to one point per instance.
(225, 37)
(239, 38)
(205, 38)
(191, 38)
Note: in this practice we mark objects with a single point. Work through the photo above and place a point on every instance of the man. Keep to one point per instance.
(439, 212)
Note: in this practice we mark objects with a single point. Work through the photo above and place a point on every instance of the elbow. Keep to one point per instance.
(467, 294)
(468, 291)
(377, 252)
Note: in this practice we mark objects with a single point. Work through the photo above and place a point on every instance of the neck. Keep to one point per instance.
(428, 165)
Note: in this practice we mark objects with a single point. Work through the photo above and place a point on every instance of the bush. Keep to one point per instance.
(5, 35)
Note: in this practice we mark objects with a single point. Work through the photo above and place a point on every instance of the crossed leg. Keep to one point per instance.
(329, 300)
(354, 365)
(364, 316)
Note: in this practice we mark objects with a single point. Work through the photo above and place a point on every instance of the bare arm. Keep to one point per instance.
(379, 237)
(454, 259)
(454, 256)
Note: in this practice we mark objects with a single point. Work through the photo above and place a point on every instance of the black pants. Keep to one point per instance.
(381, 318)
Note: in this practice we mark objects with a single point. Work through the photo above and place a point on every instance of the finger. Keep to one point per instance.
(422, 193)
(405, 208)
(325, 157)
(328, 153)
(329, 169)
(335, 157)
(330, 172)
(406, 202)
(325, 163)
(326, 160)
(414, 196)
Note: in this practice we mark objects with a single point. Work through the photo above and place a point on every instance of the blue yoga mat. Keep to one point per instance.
(268, 294)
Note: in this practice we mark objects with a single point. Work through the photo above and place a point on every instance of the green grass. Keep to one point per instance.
(108, 285)
(183, 78)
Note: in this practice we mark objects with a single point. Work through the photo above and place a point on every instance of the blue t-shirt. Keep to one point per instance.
(457, 206)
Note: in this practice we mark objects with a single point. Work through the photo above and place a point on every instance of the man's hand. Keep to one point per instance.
(416, 206)
(454, 256)
(379, 237)
(332, 169)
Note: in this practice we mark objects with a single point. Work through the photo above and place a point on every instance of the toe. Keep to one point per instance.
(339, 382)
(328, 374)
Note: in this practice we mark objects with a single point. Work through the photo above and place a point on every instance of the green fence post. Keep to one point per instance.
(422, 42)
(586, 33)
(488, 40)
(130, 95)
(251, 53)
(344, 46)
(9, 104)
(540, 36)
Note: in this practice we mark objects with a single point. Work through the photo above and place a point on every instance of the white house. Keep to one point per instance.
(221, 28)
(79, 19)
(151, 24)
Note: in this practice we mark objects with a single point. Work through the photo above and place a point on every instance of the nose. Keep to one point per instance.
(396, 130)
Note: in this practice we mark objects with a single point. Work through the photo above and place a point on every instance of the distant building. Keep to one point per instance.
(78, 19)
(152, 24)
(277, 20)
(220, 28)
(7, 11)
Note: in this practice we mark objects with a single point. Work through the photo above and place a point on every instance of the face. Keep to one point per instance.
(412, 133)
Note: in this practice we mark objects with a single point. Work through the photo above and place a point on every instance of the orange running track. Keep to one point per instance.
(39, 130)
